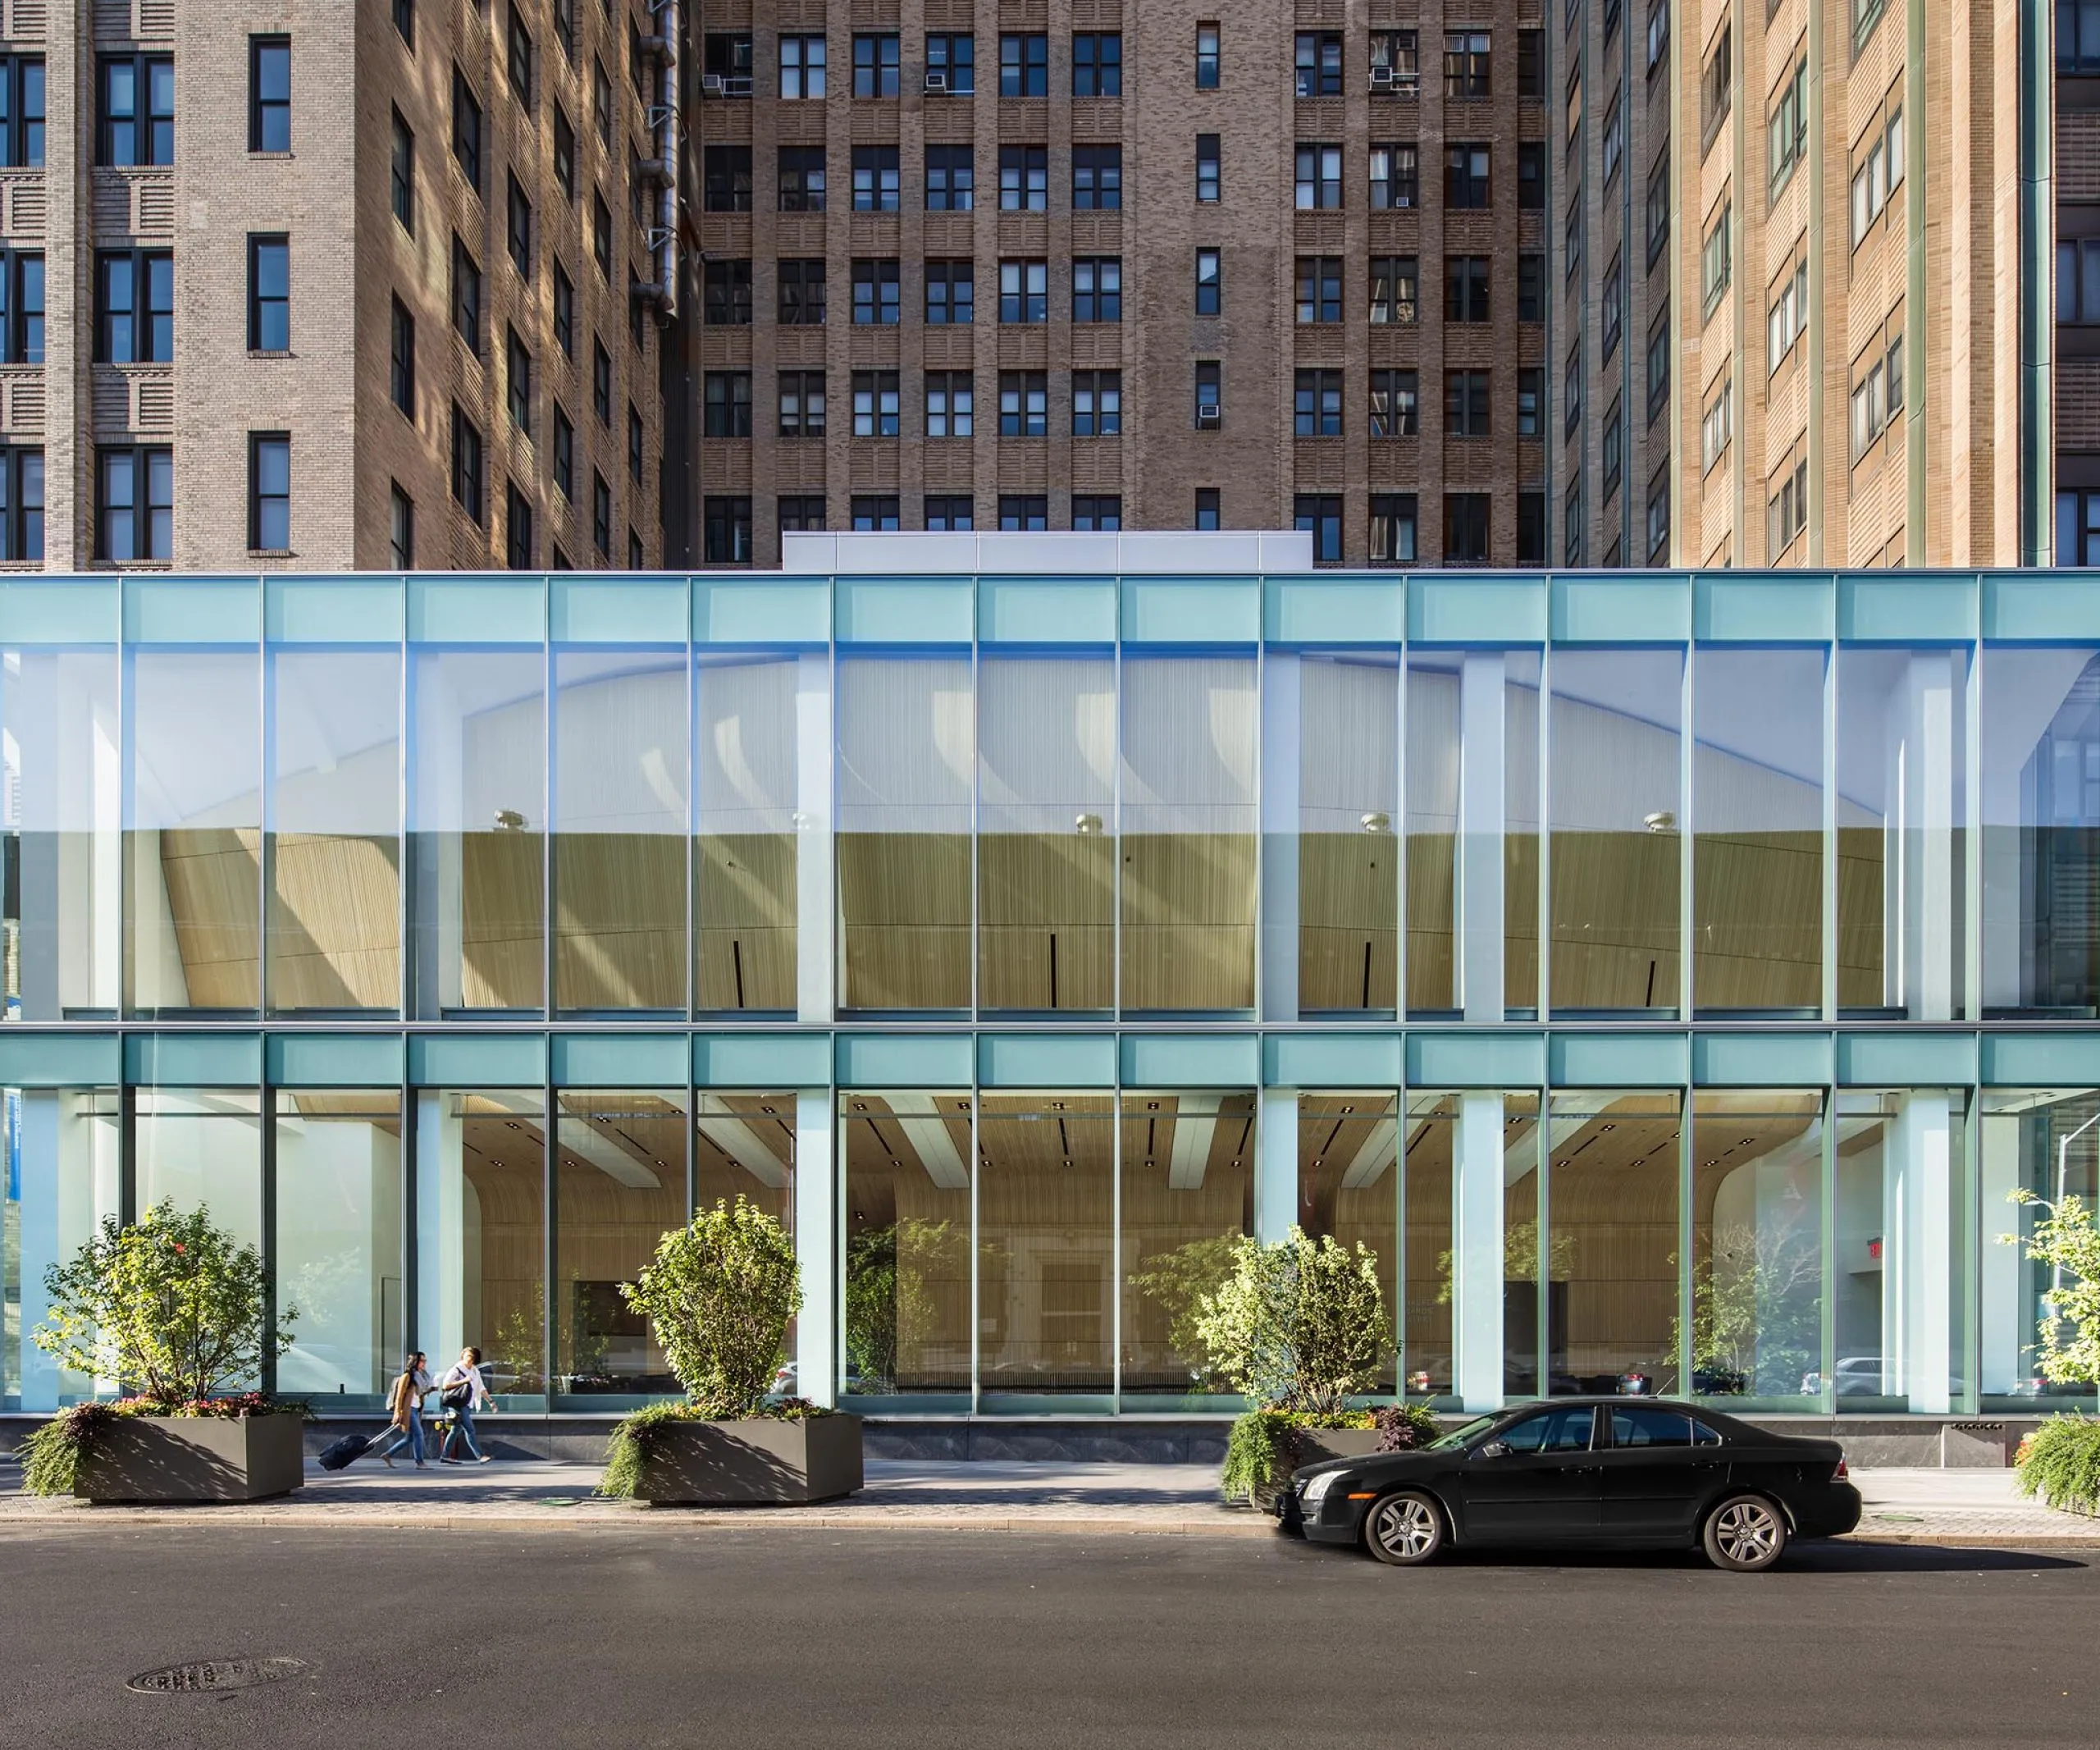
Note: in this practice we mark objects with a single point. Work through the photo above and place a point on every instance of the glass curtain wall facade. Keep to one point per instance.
(1664, 978)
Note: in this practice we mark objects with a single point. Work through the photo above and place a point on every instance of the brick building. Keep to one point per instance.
(303, 285)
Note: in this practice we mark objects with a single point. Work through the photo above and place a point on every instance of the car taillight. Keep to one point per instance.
(1840, 1474)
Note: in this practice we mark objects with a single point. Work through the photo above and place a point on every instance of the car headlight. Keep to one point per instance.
(1317, 1486)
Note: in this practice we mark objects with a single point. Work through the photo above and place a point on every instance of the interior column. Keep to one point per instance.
(1482, 779)
(1477, 1253)
(816, 1245)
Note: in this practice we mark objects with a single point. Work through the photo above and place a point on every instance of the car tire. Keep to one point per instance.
(1744, 1534)
(1405, 1529)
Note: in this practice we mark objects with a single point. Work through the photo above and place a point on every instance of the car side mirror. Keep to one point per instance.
(1492, 1449)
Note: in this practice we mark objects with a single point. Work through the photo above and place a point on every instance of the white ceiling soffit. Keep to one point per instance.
(918, 1116)
(605, 1153)
(1195, 1123)
(1378, 1154)
(736, 1140)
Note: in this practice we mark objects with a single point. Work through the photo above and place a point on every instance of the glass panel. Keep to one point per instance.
(194, 831)
(1902, 815)
(1611, 1292)
(481, 1236)
(61, 1146)
(2046, 1141)
(201, 1148)
(61, 810)
(1520, 1298)
(745, 881)
(1426, 1158)
(1187, 1193)
(908, 1247)
(620, 1187)
(1520, 833)
(620, 834)
(476, 820)
(1757, 1249)
(1046, 1213)
(1046, 859)
(1757, 815)
(1349, 890)
(1432, 827)
(335, 920)
(1346, 1148)
(1188, 833)
(1616, 739)
(2041, 765)
(906, 762)
(340, 1245)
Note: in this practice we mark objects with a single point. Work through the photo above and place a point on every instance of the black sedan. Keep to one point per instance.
(1599, 1472)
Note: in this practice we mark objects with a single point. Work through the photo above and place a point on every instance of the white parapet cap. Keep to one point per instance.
(1065, 554)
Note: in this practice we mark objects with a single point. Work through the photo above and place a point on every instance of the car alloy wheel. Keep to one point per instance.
(1744, 1534)
(1405, 1530)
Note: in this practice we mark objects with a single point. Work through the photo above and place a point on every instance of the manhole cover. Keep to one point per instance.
(198, 1676)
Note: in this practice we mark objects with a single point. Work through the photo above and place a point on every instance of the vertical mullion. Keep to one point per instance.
(1827, 1346)
(1544, 983)
(1829, 826)
(266, 813)
(267, 1109)
(548, 797)
(976, 1272)
(1687, 1160)
(1687, 833)
(1115, 1251)
(1400, 784)
(411, 1237)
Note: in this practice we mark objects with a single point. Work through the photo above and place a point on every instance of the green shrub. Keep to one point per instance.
(2060, 1464)
(1263, 1449)
(634, 1436)
(1297, 1325)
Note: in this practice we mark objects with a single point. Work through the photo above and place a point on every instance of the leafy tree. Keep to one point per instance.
(718, 1295)
(1300, 1324)
(2066, 1241)
(871, 1307)
(1177, 1281)
(172, 1307)
(1757, 1306)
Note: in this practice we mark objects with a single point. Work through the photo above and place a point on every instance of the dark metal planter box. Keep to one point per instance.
(193, 1459)
(1316, 1446)
(763, 1462)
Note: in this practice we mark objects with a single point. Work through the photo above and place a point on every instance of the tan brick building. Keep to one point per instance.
(307, 284)
(1235, 266)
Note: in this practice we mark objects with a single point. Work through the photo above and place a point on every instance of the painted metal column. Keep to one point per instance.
(1920, 1268)
(815, 910)
(440, 1222)
(1927, 845)
(39, 1120)
(1478, 891)
(1477, 1266)
(1281, 720)
(816, 1244)
(1275, 1174)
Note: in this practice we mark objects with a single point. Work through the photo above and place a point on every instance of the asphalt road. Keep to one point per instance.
(621, 1640)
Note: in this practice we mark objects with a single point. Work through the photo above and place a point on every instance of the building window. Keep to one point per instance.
(269, 293)
(520, 57)
(601, 382)
(726, 63)
(876, 181)
(1658, 35)
(1023, 66)
(952, 58)
(402, 175)
(873, 513)
(270, 492)
(134, 505)
(1785, 320)
(1531, 176)
(1717, 87)
(2078, 280)
(21, 503)
(637, 435)
(466, 130)
(951, 292)
(876, 404)
(1465, 528)
(2078, 528)
(1024, 511)
(1210, 283)
(1395, 403)
(565, 447)
(1320, 515)
(269, 94)
(1395, 176)
(1096, 404)
(601, 102)
(726, 294)
(1097, 178)
(876, 294)
(1613, 312)
(2077, 38)
(518, 380)
(1657, 210)
(1319, 288)
(1878, 173)
(401, 380)
(1210, 402)
(1717, 425)
(138, 109)
(518, 229)
(565, 312)
(802, 404)
(1396, 63)
(951, 405)
(1876, 394)
(801, 178)
(1467, 64)
(1716, 258)
(1613, 449)
(1209, 182)
(21, 111)
(1571, 524)
(1023, 403)
(601, 235)
(565, 27)
(801, 67)
(467, 465)
(636, 560)
(1787, 511)
(1530, 528)
(875, 65)
(1467, 183)
(1571, 236)
(1531, 401)
(1659, 515)
(601, 515)
(1023, 291)
(1531, 287)
(949, 513)
(467, 296)
(802, 292)
(726, 178)
(1208, 514)
(1465, 289)
(1207, 64)
(1317, 176)
(400, 528)
(1395, 290)
(1023, 179)
(951, 179)
(725, 528)
(1571, 390)
(135, 308)
(1866, 14)
(1098, 289)
(802, 513)
(1659, 366)
(1393, 535)
(1530, 63)
(1097, 513)
(1316, 404)
(1466, 403)
(1097, 64)
(1786, 134)
(1318, 59)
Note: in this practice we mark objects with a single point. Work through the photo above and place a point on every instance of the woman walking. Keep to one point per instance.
(462, 1391)
(405, 1405)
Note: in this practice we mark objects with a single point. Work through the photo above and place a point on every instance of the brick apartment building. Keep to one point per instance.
(306, 285)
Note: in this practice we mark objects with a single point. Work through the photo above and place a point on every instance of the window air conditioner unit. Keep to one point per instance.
(1381, 78)
(712, 84)
(1210, 415)
(937, 82)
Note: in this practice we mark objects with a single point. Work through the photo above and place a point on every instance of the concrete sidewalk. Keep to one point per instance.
(1955, 1508)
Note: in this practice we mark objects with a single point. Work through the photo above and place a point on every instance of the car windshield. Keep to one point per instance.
(1459, 1436)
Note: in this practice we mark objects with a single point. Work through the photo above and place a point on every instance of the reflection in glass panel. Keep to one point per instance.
(1902, 809)
(1757, 820)
(620, 1187)
(906, 762)
(1520, 833)
(1347, 1189)
(335, 919)
(481, 1235)
(1189, 833)
(1046, 857)
(619, 801)
(61, 810)
(477, 822)
(194, 831)
(1757, 1247)
(1433, 828)
(67, 1144)
(1426, 1352)
(1521, 1297)
(1188, 1194)
(744, 882)
(1617, 732)
(202, 1149)
(340, 1243)
(2041, 849)
(1349, 891)
(907, 1247)
(2044, 1141)
(746, 1148)
(1611, 1290)
(1046, 1204)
